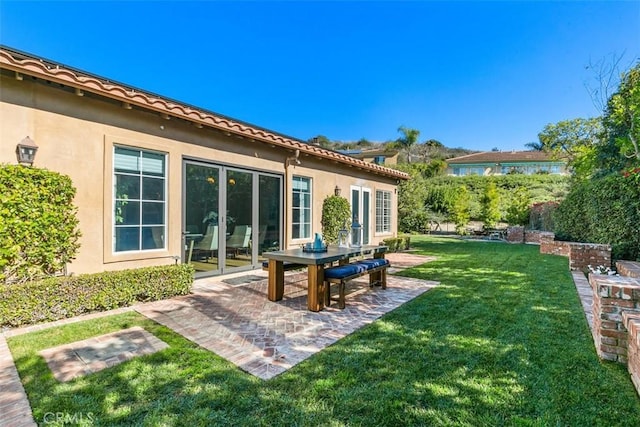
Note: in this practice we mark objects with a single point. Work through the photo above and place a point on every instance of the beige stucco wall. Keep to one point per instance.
(76, 135)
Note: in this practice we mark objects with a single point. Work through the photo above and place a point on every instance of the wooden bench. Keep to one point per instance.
(376, 268)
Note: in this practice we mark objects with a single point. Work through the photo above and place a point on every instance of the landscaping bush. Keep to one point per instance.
(518, 210)
(336, 214)
(39, 229)
(57, 298)
(541, 188)
(604, 210)
(396, 244)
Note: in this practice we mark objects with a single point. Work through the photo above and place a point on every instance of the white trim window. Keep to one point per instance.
(139, 200)
(383, 211)
(301, 208)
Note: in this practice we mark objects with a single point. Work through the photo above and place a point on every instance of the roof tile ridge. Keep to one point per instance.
(141, 98)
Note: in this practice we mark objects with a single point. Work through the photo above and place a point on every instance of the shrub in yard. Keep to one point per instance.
(461, 210)
(56, 298)
(396, 244)
(518, 210)
(490, 210)
(603, 210)
(336, 213)
(38, 225)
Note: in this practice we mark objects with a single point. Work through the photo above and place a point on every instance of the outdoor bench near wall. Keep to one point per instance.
(376, 268)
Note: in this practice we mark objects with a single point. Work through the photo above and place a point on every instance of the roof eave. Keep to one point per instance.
(37, 68)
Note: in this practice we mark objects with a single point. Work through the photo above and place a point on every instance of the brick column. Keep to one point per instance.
(515, 234)
(632, 323)
(613, 296)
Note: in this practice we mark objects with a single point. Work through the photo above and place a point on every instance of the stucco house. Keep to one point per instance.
(379, 156)
(159, 181)
(505, 162)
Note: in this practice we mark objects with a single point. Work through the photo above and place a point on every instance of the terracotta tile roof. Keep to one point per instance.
(23, 63)
(502, 157)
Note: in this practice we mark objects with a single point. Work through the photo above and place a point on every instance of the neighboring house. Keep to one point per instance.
(159, 181)
(505, 162)
(377, 156)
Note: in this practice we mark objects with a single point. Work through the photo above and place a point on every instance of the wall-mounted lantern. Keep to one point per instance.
(26, 151)
(337, 190)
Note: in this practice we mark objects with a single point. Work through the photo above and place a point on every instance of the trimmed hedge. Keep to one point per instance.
(57, 298)
(396, 244)
(38, 224)
(604, 210)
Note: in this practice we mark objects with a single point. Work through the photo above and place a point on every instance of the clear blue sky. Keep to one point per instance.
(476, 75)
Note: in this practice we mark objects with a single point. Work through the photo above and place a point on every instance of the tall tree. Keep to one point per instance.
(574, 140)
(407, 140)
(622, 116)
(490, 202)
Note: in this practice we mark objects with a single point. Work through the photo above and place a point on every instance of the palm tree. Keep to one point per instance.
(409, 138)
(535, 146)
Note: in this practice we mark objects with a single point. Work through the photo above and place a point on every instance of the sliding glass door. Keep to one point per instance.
(202, 227)
(231, 216)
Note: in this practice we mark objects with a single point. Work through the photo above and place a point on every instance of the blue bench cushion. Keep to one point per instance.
(373, 262)
(344, 271)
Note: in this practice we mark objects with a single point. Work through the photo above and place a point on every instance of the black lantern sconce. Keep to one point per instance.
(26, 151)
(337, 190)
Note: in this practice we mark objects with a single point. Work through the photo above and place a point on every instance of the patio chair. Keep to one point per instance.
(209, 243)
(239, 240)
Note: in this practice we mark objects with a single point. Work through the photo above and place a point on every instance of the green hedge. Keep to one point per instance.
(604, 210)
(396, 244)
(443, 191)
(57, 298)
(39, 231)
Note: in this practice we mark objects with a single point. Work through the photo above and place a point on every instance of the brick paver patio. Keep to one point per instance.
(266, 338)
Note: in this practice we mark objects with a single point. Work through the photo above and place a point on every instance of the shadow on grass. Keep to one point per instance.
(502, 341)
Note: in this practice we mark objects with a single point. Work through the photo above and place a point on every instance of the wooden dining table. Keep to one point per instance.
(315, 262)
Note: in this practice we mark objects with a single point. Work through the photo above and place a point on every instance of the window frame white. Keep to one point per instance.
(141, 175)
(305, 213)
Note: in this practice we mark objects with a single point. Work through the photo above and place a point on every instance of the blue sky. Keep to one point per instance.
(477, 75)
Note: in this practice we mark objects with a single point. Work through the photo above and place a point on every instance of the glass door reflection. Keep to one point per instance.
(201, 218)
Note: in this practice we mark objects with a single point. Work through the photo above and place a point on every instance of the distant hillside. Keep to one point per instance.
(421, 152)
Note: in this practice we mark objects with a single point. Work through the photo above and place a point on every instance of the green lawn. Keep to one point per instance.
(502, 341)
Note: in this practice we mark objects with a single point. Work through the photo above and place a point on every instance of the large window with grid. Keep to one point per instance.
(301, 208)
(383, 211)
(139, 200)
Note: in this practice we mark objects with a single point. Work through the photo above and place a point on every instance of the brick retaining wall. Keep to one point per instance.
(581, 255)
(613, 296)
(628, 268)
(536, 236)
(632, 323)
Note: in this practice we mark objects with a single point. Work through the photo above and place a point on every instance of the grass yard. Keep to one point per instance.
(502, 341)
